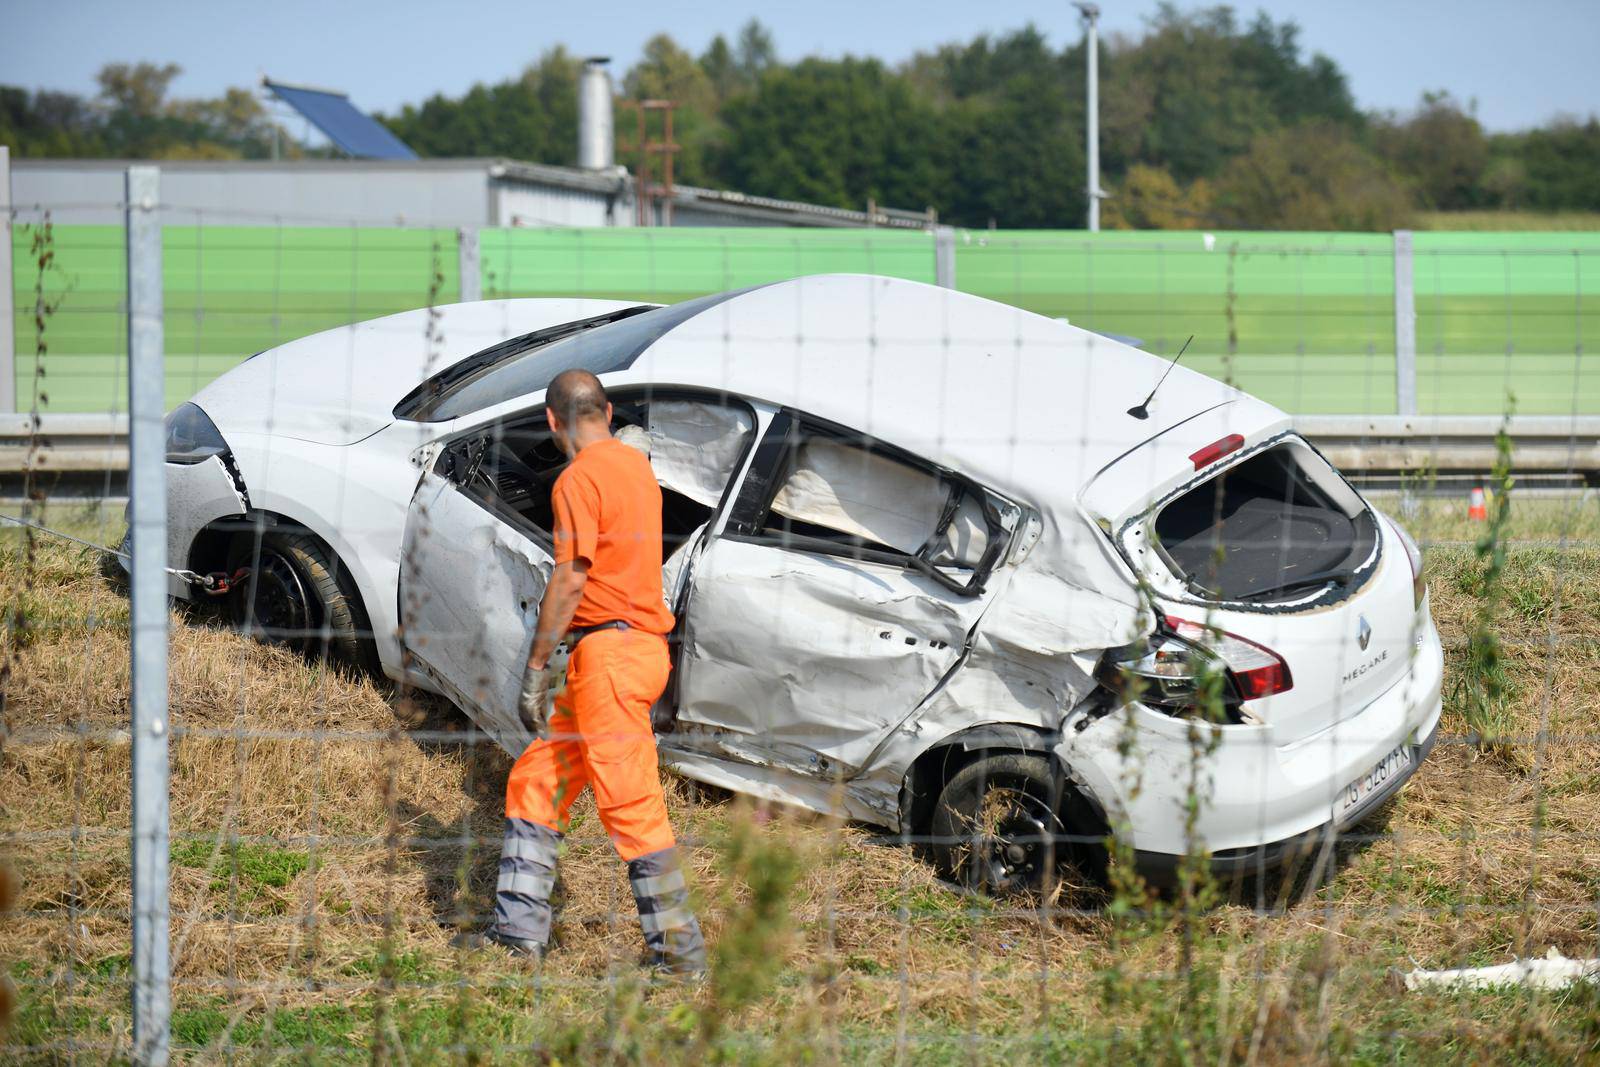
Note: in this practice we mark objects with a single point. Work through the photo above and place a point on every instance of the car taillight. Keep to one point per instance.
(1168, 671)
(1256, 671)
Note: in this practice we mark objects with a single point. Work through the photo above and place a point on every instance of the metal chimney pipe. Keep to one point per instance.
(596, 133)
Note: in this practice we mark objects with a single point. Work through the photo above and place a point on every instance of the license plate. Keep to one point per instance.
(1391, 766)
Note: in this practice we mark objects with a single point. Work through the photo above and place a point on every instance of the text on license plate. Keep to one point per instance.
(1392, 765)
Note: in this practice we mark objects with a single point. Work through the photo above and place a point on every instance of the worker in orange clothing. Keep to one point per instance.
(604, 600)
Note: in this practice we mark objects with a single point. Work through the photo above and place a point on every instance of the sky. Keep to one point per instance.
(1520, 63)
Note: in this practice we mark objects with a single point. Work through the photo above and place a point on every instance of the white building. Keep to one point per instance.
(426, 192)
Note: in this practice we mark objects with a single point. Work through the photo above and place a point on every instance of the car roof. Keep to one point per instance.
(341, 385)
(1003, 394)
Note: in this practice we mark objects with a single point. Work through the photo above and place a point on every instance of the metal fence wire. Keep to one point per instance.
(1001, 727)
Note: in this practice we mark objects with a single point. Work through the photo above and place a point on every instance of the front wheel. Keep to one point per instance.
(298, 595)
(997, 827)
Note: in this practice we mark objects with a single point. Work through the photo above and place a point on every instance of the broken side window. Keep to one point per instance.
(694, 445)
(845, 495)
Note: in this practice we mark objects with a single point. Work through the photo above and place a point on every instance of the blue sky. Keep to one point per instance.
(1521, 63)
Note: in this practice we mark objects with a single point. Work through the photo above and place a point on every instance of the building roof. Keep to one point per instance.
(614, 185)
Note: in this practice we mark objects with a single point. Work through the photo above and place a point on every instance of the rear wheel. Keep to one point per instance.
(997, 827)
(298, 595)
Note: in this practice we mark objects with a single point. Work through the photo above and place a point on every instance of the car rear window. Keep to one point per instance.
(611, 347)
(1276, 526)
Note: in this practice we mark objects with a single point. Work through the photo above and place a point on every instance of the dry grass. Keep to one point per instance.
(1509, 221)
(328, 836)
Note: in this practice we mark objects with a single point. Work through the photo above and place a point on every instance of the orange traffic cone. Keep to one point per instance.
(1478, 510)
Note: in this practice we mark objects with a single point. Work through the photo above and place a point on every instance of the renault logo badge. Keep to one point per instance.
(1364, 633)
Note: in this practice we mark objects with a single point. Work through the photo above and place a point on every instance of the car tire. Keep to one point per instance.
(997, 826)
(297, 594)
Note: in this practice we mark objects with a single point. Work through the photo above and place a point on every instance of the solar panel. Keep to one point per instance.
(356, 133)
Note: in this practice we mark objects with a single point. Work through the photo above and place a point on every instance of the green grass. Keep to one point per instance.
(1508, 221)
(255, 867)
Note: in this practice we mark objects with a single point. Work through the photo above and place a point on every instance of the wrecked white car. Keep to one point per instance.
(930, 571)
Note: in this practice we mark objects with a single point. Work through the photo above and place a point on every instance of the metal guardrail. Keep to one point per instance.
(75, 444)
(1446, 444)
(89, 445)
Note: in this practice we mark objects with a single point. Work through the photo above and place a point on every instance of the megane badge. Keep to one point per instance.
(1364, 633)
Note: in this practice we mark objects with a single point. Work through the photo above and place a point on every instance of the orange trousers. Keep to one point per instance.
(600, 737)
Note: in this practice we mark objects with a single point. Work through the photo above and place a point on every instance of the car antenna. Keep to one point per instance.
(1142, 410)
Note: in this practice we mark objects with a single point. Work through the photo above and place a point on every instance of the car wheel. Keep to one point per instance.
(298, 595)
(996, 826)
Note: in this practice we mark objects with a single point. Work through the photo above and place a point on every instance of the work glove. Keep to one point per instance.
(533, 701)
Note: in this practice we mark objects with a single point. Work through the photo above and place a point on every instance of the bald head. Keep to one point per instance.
(576, 397)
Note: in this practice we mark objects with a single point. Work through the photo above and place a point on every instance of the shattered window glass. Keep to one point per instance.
(850, 494)
(694, 446)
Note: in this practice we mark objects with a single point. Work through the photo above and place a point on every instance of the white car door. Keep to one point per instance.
(472, 574)
(477, 554)
(839, 594)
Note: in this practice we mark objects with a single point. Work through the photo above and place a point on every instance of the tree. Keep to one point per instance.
(667, 72)
(755, 53)
(1148, 198)
(137, 89)
(734, 69)
(1009, 130)
(534, 116)
(1206, 118)
(49, 124)
(831, 131)
(721, 68)
(1563, 165)
(1310, 177)
(1196, 89)
(1441, 149)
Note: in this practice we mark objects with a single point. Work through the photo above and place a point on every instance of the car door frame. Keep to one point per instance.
(749, 512)
(743, 520)
(619, 395)
(499, 511)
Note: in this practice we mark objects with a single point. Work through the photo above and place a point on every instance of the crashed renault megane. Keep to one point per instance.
(939, 565)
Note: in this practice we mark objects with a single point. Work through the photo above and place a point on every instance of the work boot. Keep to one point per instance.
(490, 938)
(673, 943)
(522, 910)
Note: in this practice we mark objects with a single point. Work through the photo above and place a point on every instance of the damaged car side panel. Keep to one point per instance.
(1029, 663)
(472, 632)
(199, 494)
(812, 654)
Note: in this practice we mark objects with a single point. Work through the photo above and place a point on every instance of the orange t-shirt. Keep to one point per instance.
(608, 511)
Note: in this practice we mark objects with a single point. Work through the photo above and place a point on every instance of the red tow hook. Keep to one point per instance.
(221, 583)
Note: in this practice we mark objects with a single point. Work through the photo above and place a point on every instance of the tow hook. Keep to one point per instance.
(221, 583)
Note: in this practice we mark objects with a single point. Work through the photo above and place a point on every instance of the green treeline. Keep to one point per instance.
(1206, 121)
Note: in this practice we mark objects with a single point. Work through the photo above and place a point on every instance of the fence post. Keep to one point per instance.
(944, 256)
(8, 316)
(147, 526)
(1405, 326)
(467, 263)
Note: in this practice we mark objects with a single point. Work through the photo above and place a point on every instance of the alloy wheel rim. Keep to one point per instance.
(1014, 842)
(280, 608)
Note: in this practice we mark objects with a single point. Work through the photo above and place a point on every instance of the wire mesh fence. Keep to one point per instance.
(999, 726)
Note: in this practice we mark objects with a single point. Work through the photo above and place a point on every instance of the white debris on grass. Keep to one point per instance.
(1552, 972)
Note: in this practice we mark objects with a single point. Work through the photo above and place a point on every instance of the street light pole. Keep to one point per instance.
(1091, 42)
